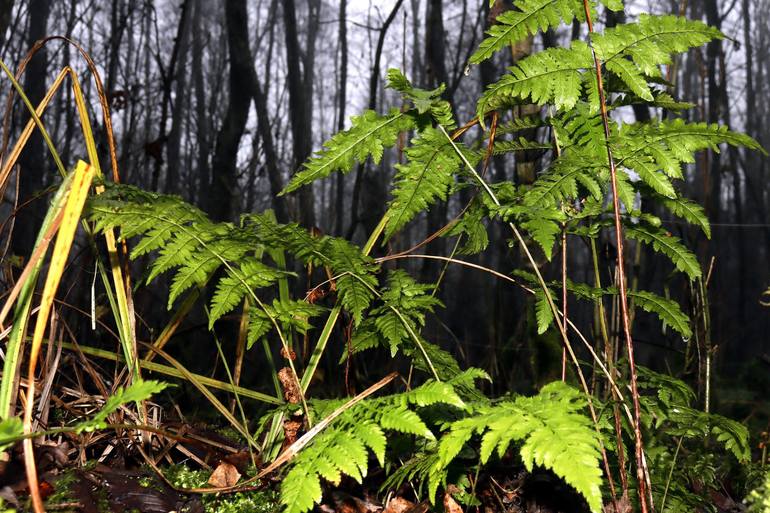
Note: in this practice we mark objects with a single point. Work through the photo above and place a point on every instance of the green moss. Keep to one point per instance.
(261, 501)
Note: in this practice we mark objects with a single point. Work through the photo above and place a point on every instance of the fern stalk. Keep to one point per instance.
(642, 473)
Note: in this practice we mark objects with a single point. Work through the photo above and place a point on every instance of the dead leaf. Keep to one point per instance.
(224, 475)
(290, 389)
(450, 504)
(398, 505)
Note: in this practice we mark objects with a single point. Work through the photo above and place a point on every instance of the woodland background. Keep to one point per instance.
(221, 102)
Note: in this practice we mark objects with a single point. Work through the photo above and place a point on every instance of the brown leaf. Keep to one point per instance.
(450, 504)
(398, 505)
(290, 389)
(224, 475)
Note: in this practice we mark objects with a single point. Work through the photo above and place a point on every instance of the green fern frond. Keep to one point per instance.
(689, 211)
(671, 143)
(648, 173)
(521, 144)
(552, 76)
(231, 289)
(670, 245)
(527, 17)
(650, 42)
(426, 178)
(560, 182)
(368, 136)
(551, 429)
(424, 101)
(666, 309)
(543, 312)
(472, 226)
(342, 448)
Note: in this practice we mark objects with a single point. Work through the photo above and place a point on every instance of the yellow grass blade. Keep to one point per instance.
(72, 210)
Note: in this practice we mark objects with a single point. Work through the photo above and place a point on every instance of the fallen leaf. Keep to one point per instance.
(398, 505)
(450, 504)
(224, 475)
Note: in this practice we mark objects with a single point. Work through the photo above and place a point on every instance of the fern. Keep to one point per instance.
(529, 16)
(426, 178)
(342, 448)
(551, 429)
(552, 76)
(404, 305)
(368, 136)
(139, 390)
(670, 245)
(666, 309)
(424, 101)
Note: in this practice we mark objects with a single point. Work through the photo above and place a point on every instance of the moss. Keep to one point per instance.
(261, 501)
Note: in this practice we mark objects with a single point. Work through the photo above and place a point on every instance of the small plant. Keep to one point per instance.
(590, 157)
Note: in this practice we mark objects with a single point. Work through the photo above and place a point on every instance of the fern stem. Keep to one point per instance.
(642, 473)
(551, 304)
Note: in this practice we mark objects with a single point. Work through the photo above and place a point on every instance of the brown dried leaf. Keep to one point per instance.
(224, 475)
(290, 389)
(450, 504)
(398, 505)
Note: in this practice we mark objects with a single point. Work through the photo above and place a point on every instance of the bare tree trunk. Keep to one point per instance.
(33, 162)
(373, 202)
(202, 124)
(435, 57)
(300, 94)
(6, 9)
(341, 102)
(223, 199)
(181, 105)
(167, 80)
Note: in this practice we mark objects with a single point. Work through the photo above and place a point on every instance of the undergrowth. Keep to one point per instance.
(440, 430)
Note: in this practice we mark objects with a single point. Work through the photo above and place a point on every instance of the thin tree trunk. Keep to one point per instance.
(375, 194)
(342, 100)
(223, 198)
(300, 93)
(181, 105)
(33, 161)
(167, 80)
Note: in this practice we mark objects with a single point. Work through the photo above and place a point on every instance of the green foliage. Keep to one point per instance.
(759, 499)
(139, 390)
(187, 241)
(11, 429)
(524, 20)
(664, 242)
(685, 445)
(368, 136)
(446, 422)
(552, 430)
(343, 448)
(398, 317)
(427, 177)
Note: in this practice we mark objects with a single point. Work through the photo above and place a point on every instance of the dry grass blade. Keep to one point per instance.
(72, 210)
(301, 442)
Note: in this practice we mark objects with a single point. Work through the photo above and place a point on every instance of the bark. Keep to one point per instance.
(341, 102)
(167, 81)
(374, 206)
(33, 164)
(223, 198)
(181, 105)
(202, 124)
(436, 74)
(6, 9)
(300, 88)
